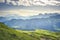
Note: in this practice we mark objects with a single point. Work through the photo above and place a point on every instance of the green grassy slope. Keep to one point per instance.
(7, 33)
(42, 34)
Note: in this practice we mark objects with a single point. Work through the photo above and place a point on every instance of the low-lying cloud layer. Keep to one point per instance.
(25, 13)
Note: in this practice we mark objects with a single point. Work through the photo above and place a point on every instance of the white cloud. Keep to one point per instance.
(35, 2)
(1, 1)
(25, 13)
(19, 12)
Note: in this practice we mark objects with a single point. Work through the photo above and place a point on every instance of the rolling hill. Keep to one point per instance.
(7, 33)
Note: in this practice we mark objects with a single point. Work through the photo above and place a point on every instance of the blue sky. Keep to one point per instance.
(28, 7)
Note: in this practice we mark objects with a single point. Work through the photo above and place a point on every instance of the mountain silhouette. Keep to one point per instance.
(43, 21)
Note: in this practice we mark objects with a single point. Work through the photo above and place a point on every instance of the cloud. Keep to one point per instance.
(34, 2)
(19, 12)
(1, 1)
(57, 0)
(24, 13)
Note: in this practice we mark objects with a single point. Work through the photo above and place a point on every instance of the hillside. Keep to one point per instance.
(7, 33)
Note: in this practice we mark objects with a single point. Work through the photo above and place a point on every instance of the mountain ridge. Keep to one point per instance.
(49, 23)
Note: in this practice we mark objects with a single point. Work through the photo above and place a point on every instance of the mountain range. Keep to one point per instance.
(45, 21)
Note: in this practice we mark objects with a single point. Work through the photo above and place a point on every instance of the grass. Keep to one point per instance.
(7, 33)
